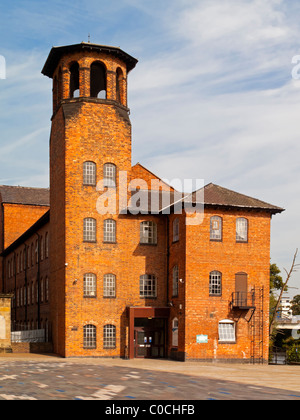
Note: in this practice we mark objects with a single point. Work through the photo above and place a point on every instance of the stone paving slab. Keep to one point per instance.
(40, 377)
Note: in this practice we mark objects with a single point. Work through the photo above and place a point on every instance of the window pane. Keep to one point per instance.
(227, 332)
(89, 337)
(216, 228)
(89, 173)
(89, 230)
(242, 230)
(176, 230)
(109, 231)
(148, 233)
(215, 283)
(147, 286)
(89, 285)
(109, 286)
(109, 175)
(109, 337)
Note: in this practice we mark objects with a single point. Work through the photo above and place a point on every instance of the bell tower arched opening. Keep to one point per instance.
(98, 80)
(74, 80)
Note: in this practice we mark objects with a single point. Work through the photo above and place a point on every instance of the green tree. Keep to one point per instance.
(282, 290)
(276, 282)
(296, 305)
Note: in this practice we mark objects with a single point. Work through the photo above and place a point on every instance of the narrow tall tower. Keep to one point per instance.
(90, 141)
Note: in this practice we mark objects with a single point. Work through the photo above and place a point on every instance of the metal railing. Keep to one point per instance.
(242, 300)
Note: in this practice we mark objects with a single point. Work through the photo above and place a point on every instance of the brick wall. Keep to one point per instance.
(203, 312)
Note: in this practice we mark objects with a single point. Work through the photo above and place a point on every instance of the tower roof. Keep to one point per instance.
(57, 52)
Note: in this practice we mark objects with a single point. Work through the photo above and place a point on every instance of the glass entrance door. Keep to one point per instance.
(150, 339)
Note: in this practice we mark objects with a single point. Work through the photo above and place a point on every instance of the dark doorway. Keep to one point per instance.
(241, 288)
(149, 338)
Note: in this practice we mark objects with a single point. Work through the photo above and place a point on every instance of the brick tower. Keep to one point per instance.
(90, 141)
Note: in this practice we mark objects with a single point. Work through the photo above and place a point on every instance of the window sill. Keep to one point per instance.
(227, 342)
(144, 243)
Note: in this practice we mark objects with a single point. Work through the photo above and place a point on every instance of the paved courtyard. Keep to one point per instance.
(53, 378)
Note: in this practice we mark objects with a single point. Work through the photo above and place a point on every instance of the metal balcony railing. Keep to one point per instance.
(243, 300)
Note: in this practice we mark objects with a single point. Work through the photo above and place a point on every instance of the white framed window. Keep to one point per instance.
(109, 175)
(215, 283)
(216, 228)
(241, 229)
(148, 233)
(175, 332)
(147, 286)
(109, 337)
(175, 280)
(176, 230)
(109, 286)
(89, 285)
(89, 337)
(227, 331)
(109, 231)
(89, 230)
(89, 173)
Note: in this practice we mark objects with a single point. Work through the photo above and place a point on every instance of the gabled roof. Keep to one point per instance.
(214, 195)
(156, 202)
(139, 171)
(25, 195)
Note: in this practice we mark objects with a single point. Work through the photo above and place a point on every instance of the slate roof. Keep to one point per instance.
(25, 195)
(214, 195)
(57, 52)
(156, 202)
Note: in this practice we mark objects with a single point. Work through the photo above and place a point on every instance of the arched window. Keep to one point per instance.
(175, 280)
(89, 285)
(74, 81)
(89, 230)
(175, 332)
(109, 175)
(109, 231)
(46, 245)
(241, 229)
(89, 173)
(109, 286)
(176, 230)
(119, 85)
(148, 286)
(59, 87)
(98, 80)
(32, 254)
(216, 228)
(215, 283)
(89, 337)
(227, 331)
(148, 233)
(109, 337)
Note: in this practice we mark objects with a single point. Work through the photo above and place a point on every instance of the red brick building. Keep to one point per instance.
(101, 271)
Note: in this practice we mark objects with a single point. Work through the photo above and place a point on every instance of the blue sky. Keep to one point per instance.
(212, 96)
